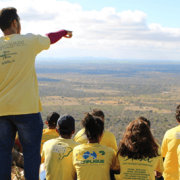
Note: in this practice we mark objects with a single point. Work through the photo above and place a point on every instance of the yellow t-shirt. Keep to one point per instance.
(93, 161)
(47, 135)
(19, 93)
(140, 168)
(178, 155)
(169, 146)
(108, 139)
(58, 159)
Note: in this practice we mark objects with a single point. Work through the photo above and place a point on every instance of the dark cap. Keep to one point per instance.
(66, 124)
(52, 118)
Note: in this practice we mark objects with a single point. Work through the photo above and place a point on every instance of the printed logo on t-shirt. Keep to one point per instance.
(62, 150)
(5, 56)
(90, 157)
(177, 135)
(87, 154)
(149, 160)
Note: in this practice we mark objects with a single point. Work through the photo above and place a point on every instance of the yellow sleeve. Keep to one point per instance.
(42, 43)
(73, 168)
(160, 166)
(80, 137)
(75, 137)
(164, 147)
(73, 157)
(113, 142)
(115, 162)
(42, 156)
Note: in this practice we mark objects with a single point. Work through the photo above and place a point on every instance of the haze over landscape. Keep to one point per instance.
(124, 90)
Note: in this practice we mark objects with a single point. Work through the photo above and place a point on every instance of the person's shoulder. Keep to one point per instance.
(79, 134)
(81, 131)
(45, 130)
(74, 143)
(28, 35)
(49, 142)
(108, 134)
(106, 148)
(78, 147)
(173, 130)
(49, 131)
(31, 36)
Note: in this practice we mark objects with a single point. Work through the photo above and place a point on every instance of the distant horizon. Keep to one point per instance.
(56, 59)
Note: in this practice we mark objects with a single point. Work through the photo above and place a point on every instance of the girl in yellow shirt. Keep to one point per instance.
(92, 160)
(138, 153)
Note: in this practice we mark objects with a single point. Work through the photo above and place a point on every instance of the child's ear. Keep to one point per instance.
(46, 123)
(15, 23)
(73, 132)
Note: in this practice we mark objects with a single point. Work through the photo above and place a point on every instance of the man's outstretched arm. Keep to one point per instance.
(56, 36)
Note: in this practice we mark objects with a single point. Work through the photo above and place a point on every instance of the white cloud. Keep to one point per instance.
(104, 33)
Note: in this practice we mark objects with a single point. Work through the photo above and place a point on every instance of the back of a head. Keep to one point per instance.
(98, 113)
(138, 141)
(66, 125)
(145, 120)
(7, 16)
(94, 126)
(178, 113)
(52, 119)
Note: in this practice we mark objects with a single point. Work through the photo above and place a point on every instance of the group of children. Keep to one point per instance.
(93, 153)
(95, 147)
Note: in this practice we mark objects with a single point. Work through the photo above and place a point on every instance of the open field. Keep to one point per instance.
(122, 91)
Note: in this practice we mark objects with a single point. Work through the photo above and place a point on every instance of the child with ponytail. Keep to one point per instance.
(92, 160)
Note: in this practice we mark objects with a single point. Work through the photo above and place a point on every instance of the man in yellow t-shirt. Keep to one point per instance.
(50, 132)
(58, 152)
(108, 138)
(19, 94)
(93, 161)
(169, 146)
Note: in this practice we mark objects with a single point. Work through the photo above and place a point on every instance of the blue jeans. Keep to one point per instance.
(43, 175)
(29, 128)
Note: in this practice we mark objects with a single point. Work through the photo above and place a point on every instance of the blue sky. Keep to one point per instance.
(117, 29)
(164, 12)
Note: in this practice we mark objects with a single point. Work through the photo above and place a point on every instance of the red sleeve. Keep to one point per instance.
(56, 36)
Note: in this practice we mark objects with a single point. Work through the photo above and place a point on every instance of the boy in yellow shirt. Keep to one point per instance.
(169, 146)
(50, 132)
(58, 152)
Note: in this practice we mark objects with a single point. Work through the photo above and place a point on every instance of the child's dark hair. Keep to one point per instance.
(94, 126)
(7, 16)
(178, 113)
(97, 112)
